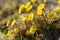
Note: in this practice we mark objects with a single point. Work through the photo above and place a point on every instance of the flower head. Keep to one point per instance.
(33, 0)
(39, 12)
(21, 8)
(31, 16)
(16, 30)
(33, 29)
(58, 1)
(41, 6)
(9, 33)
(28, 7)
(8, 22)
(13, 22)
(45, 1)
(57, 9)
(24, 18)
(51, 15)
(28, 33)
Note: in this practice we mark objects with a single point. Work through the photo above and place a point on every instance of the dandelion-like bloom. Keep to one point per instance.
(21, 8)
(24, 18)
(57, 9)
(41, 6)
(28, 33)
(58, 1)
(33, 29)
(13, 22)
(39, 12)
(28, 6)
(9, 33)
(31, 16)
(16, 30)
(33, 0)
(45, 1)
(8, 22)
(52, 15)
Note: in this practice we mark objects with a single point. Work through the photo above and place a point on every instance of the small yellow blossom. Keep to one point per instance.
(28, 6)
(16, 30)
(33, 0)
(9, 33)
(31, 16)
(24, 18)
(13, 22)
(33, 29)
(51, 15)
(41, 6)
(28, 33)
(8, 22)
(58, 1)
(39, 12)
(21, 8)
(45, 1)
(57, 9)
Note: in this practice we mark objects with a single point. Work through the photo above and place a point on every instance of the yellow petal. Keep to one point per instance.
(58, 1)
(39, 12)
(21, 8)
(28, 33)
(24, 18)
(9, 33)
(13, 22)
(31, 16)
(41, 6)
(16, 30)
(57, 9)
(8, 22)
(51, 15)
(33, 0)
(28, 7)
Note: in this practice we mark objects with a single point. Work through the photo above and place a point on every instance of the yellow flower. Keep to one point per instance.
(28, 33)
(8, 22)
(58, 1)
(28, 6)
(45, 1)
(16, 30)
(33, 29)
(57, 9)
(13, 22)
(24, 18)
(9, 33)
(21, 8)
(31, 16)
(33, 0)
(41, 6)
(39, 12)
(51, 15)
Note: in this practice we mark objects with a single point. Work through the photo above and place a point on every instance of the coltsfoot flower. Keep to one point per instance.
(28, 33)
(24, 18)
(52, 15)
(58, 1)
(39, 12)
(28, 6)
(33, 0)
(57, 9)
(41, 6)
(13, 22)
(9, 33)
(45, 1)
(8, 22)
(21, 8)
(31, 16)
(16, 30)
(33, 29)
